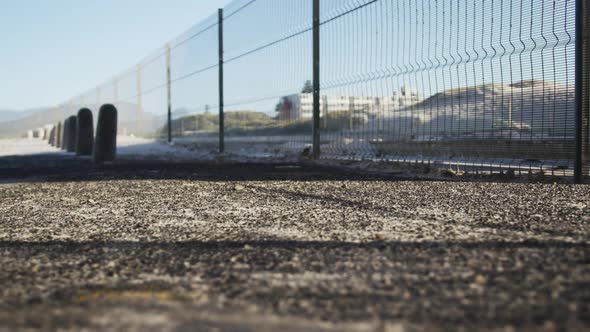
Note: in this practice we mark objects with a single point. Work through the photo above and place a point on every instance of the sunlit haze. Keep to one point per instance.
(54, 49)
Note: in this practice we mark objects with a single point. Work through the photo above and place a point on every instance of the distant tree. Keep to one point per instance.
(279, 106)
(307, 87)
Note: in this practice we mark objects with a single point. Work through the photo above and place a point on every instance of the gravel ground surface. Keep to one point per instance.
(263, 248)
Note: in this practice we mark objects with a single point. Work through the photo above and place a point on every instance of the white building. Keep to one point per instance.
(300, 106)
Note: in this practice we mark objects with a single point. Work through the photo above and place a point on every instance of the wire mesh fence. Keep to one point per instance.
(194, 86)
(267, 46)
(582, 158)
(479, 83)
(482, 85)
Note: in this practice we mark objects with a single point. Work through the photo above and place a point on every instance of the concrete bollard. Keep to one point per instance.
(71, 147)
(84, 133)
(105, 144)
(51, 140)
(54, 138)
(47, 135)
(64, 134)
(58, 135)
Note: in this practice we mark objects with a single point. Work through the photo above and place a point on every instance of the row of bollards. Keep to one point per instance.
(41, 132)
(76, 134)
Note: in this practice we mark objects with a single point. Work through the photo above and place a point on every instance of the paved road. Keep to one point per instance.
(128, 147)
(255, 248)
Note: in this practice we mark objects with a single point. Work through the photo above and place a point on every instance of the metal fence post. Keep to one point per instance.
(169, 85)
(582, 89)
(325, 110)
(139, 100)
(221, 111)
(351, 107)
(316, 80)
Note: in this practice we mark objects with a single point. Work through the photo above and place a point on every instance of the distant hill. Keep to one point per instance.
(9, 115)
(209, 122)
(524, 109)
(251, 123)
(128, 120)
(6, 115)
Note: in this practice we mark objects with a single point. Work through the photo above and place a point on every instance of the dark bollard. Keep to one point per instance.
(105, 145)
(51, 140)
(54, 136)
(84, 133)
(64, 134)
(72, 125)
(50, 137)
(58, 135)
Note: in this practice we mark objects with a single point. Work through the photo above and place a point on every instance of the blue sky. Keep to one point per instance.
(60, 51)
(52, 50)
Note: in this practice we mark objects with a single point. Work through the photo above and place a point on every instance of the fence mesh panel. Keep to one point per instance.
(194, 86)
(473, 84)
(268, 47)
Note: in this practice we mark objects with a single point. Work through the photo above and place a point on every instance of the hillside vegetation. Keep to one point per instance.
(255, 123)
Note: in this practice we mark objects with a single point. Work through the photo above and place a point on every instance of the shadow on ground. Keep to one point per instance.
(323, 281)
(56, 168)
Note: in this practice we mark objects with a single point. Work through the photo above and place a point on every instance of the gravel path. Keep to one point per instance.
(263, 248)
